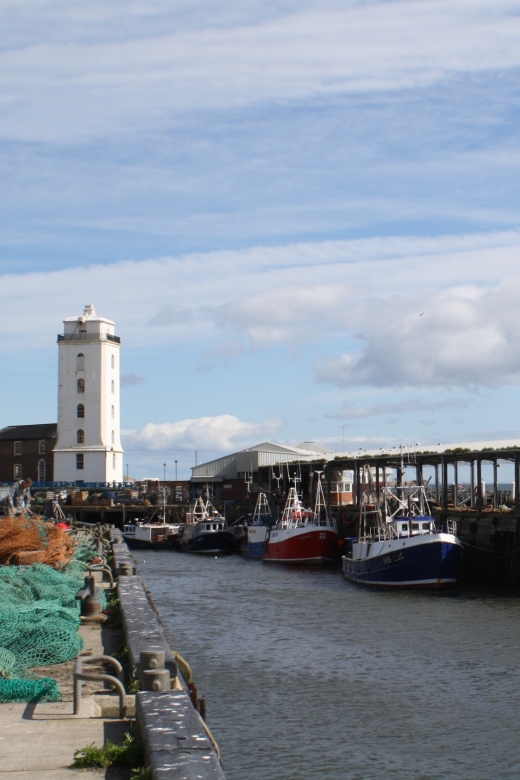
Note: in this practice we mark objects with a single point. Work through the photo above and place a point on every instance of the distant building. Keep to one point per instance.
(232, 477)
(26, 451)
(88, 448)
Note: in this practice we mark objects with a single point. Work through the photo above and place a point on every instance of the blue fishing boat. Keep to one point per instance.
(258, 529)
(402, 548)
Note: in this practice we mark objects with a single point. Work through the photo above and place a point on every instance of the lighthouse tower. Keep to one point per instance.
(88, 447)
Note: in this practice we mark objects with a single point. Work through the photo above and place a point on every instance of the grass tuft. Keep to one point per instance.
(91, 756)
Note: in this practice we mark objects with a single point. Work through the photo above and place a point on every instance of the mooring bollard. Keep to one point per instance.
(155, 680)
(125, 569)
(90, 597)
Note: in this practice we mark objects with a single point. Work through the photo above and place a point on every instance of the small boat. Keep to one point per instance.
(302, 535)
(155, 534)
(205, 531)
(258, 529)
(402, 548)
(150, 535)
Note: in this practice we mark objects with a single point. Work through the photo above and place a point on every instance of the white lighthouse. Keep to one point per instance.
(88, 447)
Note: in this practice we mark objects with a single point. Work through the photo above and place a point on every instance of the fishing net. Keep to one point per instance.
(39, 613)
(25, 540)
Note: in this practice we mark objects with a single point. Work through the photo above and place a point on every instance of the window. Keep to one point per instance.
(17, 470)
(18, 448)
(81, 385)
(79, 460)
(112, 437)
(112, 387)
(114, 460)
(112, 362)
(41, 447)
(80, 362)
(81, 411)
(41, 470)
(113, 412)
(80, 437)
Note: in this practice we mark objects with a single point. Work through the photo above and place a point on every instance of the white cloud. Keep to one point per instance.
(98, 84)
(223, 433)
(466, 337)
(315, 294)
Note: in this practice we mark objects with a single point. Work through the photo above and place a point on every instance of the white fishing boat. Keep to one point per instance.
(154, 534)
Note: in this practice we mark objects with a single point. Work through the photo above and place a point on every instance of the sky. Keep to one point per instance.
(303, 218)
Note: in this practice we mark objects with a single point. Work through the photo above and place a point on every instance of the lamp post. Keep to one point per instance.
(127, 474)
(164, 466)
(175, 471)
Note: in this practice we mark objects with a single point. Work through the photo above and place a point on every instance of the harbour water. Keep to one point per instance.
(308, 677)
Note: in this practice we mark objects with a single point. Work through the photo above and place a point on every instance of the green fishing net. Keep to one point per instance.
(39, 619)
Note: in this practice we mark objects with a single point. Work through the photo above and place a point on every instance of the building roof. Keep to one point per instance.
(89, 313)
(19, 432)
(250, 459)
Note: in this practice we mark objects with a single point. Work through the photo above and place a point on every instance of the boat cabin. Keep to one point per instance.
(406, 526)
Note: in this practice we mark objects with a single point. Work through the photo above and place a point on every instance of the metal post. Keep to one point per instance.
(377, 481)
(444, 464)
(479, 483)
(517, 484)
(329, 486)
(418, 474)
(495, 484)
(437, 491)
(472, 484)
(456, 485)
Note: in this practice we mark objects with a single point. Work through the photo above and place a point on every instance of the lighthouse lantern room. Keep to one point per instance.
(88, 447)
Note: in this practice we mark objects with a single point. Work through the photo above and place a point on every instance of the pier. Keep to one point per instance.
(488, 522)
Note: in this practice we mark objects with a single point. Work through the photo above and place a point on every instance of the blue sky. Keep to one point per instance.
(303, 217)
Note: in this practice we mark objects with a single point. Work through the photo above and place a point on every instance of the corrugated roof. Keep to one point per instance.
(19, 432)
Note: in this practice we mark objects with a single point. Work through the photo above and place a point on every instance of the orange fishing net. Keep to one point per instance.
(26, 540)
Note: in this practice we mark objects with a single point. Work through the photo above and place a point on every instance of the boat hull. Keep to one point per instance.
(254, 546)
(143, 544)
(209, 543)
(307, 545)
(429, 562)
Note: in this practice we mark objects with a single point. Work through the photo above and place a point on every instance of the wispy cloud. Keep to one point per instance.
(406, 406)
(370, 47)
(129, 380)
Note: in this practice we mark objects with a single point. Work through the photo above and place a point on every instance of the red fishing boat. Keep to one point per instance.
(303, 536)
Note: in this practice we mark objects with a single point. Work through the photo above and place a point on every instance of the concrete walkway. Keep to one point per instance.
(38, 740)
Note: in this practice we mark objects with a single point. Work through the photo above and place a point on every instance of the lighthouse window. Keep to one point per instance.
(112, 387)
(81, 411)
(114, 460)
(80, 363)
(112, 361)
(113, 412)
(113, 438)
(81, 385)
(81, 437)
(80, 461)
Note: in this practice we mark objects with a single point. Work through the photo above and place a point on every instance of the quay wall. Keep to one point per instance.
(177, 743)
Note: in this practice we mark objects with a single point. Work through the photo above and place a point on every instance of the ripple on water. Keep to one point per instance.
(308, 677)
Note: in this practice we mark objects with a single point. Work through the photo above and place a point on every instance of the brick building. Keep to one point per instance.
(26, 451)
